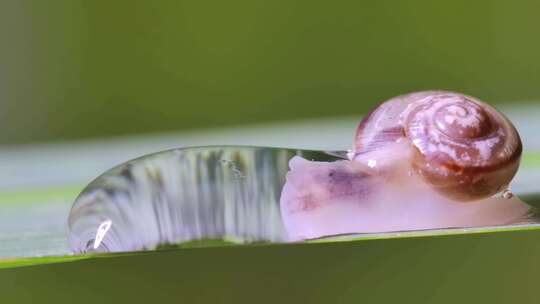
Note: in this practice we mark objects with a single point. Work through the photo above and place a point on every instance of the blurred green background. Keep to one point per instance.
(74, 69)
(78, 69)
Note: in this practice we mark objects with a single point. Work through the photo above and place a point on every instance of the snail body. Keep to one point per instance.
(424, 160)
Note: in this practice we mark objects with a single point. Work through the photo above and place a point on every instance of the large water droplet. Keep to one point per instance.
(178, 196)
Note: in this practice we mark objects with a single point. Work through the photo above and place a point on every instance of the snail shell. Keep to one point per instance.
(416, 157)
(463, 147)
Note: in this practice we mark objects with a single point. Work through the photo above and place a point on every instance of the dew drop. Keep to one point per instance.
(350, 154)
(507, 194)
(183, 196)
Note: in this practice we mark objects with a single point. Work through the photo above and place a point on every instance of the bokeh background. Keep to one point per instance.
(77, 69)
(93, 69)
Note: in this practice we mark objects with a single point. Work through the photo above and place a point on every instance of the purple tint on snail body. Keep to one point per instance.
(421, 161)
(428, 160)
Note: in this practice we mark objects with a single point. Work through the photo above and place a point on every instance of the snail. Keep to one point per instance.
(424, 160)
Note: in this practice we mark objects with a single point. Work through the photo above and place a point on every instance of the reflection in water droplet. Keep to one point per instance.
(101, 232)
(179, 196)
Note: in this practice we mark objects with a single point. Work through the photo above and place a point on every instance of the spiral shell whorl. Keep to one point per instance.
(463, 146)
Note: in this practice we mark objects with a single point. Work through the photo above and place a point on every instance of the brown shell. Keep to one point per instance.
(383, 126)
(463, 147)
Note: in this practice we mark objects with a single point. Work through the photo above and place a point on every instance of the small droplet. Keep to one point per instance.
(350, 154)
(507, 194)
(372, 163)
